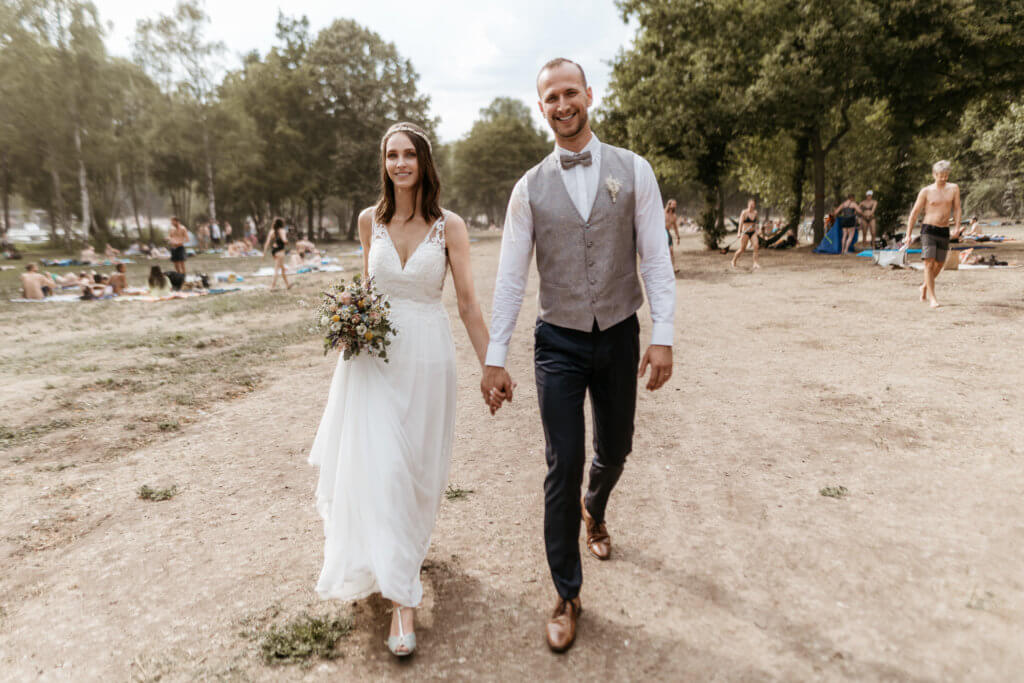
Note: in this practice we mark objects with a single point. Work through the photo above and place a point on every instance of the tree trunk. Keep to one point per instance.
(209, 174)
(320, 218)
(134, 196)
(795, 213)
(353, 223)
(83, 185)
(5, 185)
(58, 199)
(708, 218)
(818, 155)
(896, 191)
(309, 217)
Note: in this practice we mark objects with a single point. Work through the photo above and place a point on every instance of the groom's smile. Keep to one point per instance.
(564, 100)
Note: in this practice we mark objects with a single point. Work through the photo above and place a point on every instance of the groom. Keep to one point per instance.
(588, 209)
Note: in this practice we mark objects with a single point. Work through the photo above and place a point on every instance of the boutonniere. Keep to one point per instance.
(613, 185)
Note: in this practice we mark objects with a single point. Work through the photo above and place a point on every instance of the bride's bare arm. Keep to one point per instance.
(457, 240)
(366, 236)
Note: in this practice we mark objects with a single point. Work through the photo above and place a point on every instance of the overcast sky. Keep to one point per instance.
(467, 52)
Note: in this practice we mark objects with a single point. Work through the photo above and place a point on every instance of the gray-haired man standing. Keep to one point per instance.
(937, 201)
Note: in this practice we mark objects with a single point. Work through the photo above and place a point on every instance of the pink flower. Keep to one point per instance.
(356, 319)
(346, 298)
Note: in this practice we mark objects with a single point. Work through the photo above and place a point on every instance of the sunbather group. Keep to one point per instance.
(92, 285)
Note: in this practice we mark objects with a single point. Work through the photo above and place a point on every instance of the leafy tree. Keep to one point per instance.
(173, 47)
(930, 61)
(678, 95)
(487, 162)
(364, 85)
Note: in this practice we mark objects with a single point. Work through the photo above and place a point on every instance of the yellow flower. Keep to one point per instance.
(335, 318)
(369, 336)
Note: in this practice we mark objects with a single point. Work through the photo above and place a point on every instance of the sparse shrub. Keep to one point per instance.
(834, 491)
(454, 492)
(154, 494)
(303, 638)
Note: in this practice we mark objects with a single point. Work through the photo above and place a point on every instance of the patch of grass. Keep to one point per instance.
(59, 467)
(303, 638)
(63, 491)
(114, 383)
(169, 426)
(834, 491)
(10, 437)
(89, 368)
(185, 399)
(454, 492)
(147, 492)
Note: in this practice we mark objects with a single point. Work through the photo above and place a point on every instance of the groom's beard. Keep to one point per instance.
(580, 121)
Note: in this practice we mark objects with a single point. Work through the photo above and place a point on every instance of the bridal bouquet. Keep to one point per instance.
(354, 318)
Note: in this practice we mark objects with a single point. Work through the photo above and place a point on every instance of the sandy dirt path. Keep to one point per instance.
(728, 563)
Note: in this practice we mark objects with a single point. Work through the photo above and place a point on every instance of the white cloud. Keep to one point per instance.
(467, 52)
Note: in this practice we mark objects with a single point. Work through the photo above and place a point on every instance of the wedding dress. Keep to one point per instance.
(385, 439)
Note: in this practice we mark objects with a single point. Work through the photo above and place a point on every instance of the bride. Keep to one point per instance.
(385, 439)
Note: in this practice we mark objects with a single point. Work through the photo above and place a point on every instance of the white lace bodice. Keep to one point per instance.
(422, 279)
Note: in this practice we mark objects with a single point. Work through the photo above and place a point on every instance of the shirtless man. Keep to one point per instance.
(35, 285)
(119, 279)
(974, 229)
(867, 218)
(937, 201)
(176, 238)
(671, 225)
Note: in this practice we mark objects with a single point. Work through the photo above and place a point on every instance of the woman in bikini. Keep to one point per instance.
(277, 242)
(747, 232)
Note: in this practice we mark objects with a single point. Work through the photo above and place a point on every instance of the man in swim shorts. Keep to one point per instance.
(936, 201)
(176, 238)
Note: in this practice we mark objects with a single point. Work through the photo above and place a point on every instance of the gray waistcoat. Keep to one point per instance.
(587, 267)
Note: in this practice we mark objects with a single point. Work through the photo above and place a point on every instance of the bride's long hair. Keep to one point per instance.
(430, 184)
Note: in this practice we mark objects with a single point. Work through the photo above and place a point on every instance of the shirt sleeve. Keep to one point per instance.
(513, 269)
(655, 261)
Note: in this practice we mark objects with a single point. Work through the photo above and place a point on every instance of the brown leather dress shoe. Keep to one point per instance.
(599, 543)
(561, 628)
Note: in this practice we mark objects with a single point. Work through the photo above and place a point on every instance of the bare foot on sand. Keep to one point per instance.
(934, 304)
(756, 267)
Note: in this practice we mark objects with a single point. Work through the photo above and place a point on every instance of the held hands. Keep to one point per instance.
(660, 360)
(496, 386)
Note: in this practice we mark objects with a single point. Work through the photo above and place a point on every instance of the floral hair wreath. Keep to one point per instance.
(405, 129)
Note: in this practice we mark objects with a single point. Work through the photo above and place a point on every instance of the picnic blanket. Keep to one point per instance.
(68, 298)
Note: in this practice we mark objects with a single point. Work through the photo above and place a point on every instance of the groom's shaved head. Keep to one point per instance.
(557, 62)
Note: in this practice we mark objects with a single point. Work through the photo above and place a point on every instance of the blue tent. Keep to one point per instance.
(833, 242)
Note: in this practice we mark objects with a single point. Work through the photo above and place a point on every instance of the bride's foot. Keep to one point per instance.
(402, 639)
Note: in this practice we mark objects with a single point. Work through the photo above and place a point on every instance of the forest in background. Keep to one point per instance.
(796, 103)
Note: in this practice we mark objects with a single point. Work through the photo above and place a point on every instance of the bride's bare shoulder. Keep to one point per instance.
(366, 222)
(366, 215)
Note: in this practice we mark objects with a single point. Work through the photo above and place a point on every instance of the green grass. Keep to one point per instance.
(11, 437)
(834, 491)
(304, 638)
(146, 492)
(454, 492)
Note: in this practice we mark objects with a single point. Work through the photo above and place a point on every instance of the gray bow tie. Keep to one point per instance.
(570, 160)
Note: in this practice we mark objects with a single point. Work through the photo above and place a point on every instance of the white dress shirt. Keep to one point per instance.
(581, 182)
